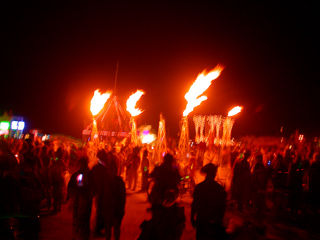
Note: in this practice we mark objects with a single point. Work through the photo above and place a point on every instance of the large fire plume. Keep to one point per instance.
(132, 101)
(98, 100)
(194, 96)
(234, 111)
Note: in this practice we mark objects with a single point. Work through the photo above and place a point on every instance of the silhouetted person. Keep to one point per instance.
(115, 200)
(80, 194)
(100, 176)
(45, 162)
(145, 170)
(314, 184)
(241, 181)
(259, 185)
(280, 173)
(166, 178)
(57, 168)
(208, 206)
(134, 162)
(287, 160)
(167, 222)
(10, 195)
(295, 184)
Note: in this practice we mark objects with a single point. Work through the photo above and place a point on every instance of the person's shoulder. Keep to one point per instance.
(119, 180)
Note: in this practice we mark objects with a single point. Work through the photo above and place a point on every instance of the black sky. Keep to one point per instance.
(55, 55)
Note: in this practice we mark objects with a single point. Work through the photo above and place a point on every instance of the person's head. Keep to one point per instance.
(83, 163)
(210, 169)
(168, 159)
(279, 157)
(298, 159)
(59, 152)
(103, 156)
(258, 158)
(247, 154)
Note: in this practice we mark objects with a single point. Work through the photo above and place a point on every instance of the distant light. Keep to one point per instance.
(44, 138)
(301, 137)
(14, 125)
(4, 125)
(17, 125)
(4, 132)
(21, 125)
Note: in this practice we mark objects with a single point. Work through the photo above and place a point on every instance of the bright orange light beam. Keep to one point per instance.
(234, 111)
(202, 83)
(98, 100)
(132, 101)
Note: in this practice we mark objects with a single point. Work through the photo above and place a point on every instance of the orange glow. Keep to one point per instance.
(132, 101)
(98, 100)
(234, 111)
(202, 83)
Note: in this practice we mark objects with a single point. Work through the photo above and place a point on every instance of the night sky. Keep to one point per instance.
(55, 55)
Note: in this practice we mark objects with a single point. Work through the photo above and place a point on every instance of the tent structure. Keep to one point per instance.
(111, 122)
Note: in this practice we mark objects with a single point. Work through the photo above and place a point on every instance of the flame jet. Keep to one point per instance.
(131, 108)
(98, 100)
(234, 111)
(202, 83)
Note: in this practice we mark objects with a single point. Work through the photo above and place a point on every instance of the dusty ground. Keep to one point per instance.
(239, 225)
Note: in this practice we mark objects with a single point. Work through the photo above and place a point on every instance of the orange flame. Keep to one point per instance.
(132, 101)
(234, 111)
(202, 83)
(98, 100)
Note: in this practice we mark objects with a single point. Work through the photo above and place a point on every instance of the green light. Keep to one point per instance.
(4, 125)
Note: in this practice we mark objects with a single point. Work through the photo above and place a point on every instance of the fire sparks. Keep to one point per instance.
(234, 111)
(132, 101)
(98, 100)
(202, 83)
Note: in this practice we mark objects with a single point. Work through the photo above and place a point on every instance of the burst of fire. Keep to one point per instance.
(132, 101)
(234, 111)
(98, 100)
(202, 83)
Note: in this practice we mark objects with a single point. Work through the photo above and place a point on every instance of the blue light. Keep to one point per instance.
(14, 125)
(17, 125)
(21, 125)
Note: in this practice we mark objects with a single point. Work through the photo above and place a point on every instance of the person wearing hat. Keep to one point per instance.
(208, 206)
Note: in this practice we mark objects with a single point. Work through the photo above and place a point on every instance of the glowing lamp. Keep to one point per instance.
(4, 125)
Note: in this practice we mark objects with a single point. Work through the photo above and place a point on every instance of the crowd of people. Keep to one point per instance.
(94, 183)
